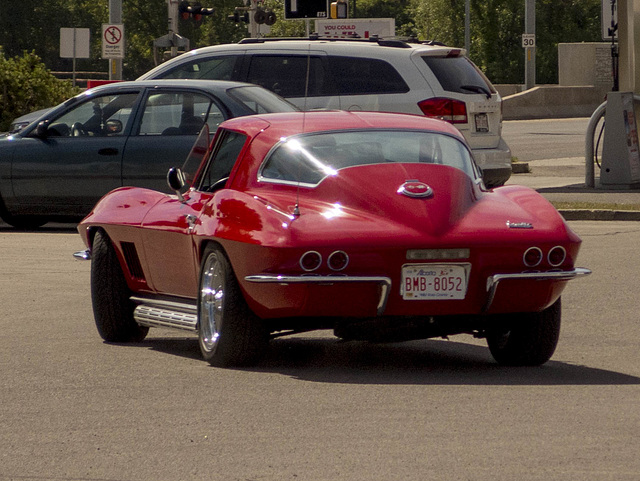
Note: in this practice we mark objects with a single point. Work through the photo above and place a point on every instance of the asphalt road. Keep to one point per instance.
(75, 408)
(532, 140)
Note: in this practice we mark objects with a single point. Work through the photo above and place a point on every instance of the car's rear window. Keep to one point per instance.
(458, 74)
(362, 76)
(260, 100)
(308, 159)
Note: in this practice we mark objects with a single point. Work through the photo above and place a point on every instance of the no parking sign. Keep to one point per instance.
(112, 41)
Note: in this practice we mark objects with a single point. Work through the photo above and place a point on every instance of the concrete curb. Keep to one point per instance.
(599, 214)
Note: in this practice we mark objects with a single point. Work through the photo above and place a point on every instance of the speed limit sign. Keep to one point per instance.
(528, 40)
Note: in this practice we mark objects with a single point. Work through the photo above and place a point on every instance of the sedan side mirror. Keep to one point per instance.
(41, 129)
(176, 181)
(113, 127)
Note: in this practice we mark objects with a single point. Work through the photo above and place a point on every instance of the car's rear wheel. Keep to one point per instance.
(112, 306)
(229, 334)
(528, 339)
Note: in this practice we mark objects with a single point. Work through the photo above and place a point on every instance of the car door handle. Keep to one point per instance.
(108, 151)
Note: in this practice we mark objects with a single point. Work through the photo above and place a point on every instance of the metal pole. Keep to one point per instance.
(115, 17)
(467, 26)
(530, 52)
(173, 23)
(74, 55)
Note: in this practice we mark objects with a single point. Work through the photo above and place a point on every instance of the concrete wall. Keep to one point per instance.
(585, 77)
(553, 101)
(587, 63)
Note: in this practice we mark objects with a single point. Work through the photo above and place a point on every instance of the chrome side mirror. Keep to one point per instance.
(176, 182)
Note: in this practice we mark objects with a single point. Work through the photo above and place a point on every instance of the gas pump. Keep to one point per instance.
(620, 163)
(620, 168)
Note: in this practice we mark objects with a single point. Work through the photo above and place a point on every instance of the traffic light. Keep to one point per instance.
(339, 9)
(264, 16)
(238, 16)
(194, 10)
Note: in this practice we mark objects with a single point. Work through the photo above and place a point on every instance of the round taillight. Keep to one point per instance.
(532, 257)
(556, 256)
(338, 260)
(310, 261)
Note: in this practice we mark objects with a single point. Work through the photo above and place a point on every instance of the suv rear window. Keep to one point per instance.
(361, 76)
(458, 74)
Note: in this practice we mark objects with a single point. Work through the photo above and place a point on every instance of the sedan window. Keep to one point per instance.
(178, 113)
(310, 158)
(106, 115)
(259, 100)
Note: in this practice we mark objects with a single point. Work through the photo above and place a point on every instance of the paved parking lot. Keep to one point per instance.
(75, 408)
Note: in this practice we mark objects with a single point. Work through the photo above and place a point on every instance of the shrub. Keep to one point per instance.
(27, 85)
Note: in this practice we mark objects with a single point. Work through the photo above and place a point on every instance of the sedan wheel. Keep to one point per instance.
(229, 333)
(527, 339)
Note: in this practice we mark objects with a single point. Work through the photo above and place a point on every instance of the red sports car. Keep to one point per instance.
(375, 225)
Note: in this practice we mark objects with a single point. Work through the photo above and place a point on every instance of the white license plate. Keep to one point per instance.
(482, 123)
(433, 282)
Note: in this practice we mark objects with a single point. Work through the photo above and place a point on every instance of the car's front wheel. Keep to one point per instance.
(110, 295)
(229, 334)
(527, 339)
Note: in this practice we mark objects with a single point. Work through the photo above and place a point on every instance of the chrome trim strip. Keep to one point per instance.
(153, 317)
(166, 304)
(494, 280)
(164, 313)
(384, 282)
(84, 255)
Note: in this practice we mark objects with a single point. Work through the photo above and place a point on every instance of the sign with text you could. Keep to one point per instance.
(112, 41)
(311, 9)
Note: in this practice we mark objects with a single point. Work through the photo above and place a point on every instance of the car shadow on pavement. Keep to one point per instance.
(437, 362)
(50, 228)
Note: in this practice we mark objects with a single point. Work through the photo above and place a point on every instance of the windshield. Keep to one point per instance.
(259, 100)
(196, 156)
(310, 158)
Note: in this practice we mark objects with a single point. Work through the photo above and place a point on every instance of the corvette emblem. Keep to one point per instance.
(415, 189)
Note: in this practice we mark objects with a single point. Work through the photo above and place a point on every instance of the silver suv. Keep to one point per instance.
(372, 74)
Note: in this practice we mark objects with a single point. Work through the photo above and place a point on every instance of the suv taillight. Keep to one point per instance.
(453, 111)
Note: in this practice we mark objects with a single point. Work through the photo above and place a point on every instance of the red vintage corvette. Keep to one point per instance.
(375, 225)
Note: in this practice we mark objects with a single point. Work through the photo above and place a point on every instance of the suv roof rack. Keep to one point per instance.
(383, 42)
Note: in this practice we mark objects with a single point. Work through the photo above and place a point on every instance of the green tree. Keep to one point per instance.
(496, 28)
(27, 85)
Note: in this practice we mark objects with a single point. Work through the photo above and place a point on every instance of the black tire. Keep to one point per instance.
(229, 334)
(25, 222)
(112, 307)
(22, 222)
(528, 340)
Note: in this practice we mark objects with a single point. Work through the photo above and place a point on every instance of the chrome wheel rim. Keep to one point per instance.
(211, 303)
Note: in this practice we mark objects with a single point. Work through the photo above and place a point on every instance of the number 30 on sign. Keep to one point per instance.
(528, 40)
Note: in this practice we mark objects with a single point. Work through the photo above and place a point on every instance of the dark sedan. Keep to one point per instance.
(129, 133)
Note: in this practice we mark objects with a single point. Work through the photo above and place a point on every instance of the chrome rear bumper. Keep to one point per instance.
(494, 280)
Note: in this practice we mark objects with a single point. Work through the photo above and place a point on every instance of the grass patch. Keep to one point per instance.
(595, 206)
